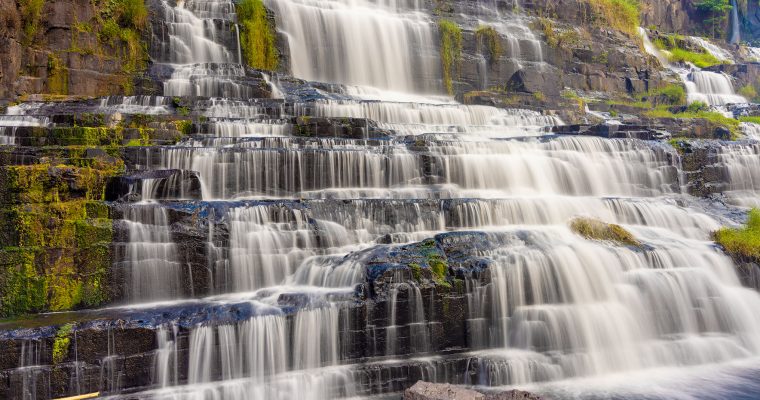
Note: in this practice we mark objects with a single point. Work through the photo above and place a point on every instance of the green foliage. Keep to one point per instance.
(132, 14)
(557, 38)
(701, 60)
(439, 267)
(748, 91)
(488, 36)
(716, 11)
(597, 230)
(715, 118)
(675, 94)
(451, 51)
(697, 107)
(622, 15)
(30, 17)
(58, 75)
(751, 119)
(61, 343)
(257, 35)
(743, 242)
(677, 53)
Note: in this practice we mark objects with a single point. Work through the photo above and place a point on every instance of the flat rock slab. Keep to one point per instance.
(444, 391)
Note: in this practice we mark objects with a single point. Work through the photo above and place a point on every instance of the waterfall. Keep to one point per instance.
(150, 261)
(736, 35)
(741, 167)
(711, 88)
(386, 44)
(428, 240)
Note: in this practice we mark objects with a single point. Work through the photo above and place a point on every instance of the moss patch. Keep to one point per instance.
(61, 343)
(489, 39)
(594, 229)
(451, 51)
(742, 243)
(257, 35)
(622, 15)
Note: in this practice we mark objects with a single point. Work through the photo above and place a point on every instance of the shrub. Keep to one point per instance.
(674, 93)
(697, 106)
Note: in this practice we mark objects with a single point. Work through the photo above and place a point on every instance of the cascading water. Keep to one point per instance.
(711, 88)
(300, 225)
(386, 44)
(736, 34)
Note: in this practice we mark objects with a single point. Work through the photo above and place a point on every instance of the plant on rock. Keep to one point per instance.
(451, 51)
(257, 35)
(743, 243)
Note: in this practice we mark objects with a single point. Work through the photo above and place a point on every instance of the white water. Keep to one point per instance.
(387, 44)
(711, 88)
(736, 35)
(150, 256)
(557, 307)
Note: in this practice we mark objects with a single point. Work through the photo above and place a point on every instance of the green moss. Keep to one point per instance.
(597, 230)
(185, 126)
(61, 260)
(622, 15)
(439, 267)
(61, 343)
(57, 75)
(743, 242)
(257, 35)
(675, 94)
(416, 271)
(749, 92)
(672, 44)
(715, 118)
(751, 119)
(488, 37)
(451, 51)
(31, 11)
(22, 288)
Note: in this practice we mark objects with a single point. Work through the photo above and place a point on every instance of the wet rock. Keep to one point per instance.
(444, 391)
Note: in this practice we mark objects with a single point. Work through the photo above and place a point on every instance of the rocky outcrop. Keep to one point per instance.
(69, 48)
(444, 391)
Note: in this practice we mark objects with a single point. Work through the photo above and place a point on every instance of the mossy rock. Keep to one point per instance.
(743, 244)
(594, 229)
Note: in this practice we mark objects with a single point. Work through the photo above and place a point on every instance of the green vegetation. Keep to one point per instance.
(752, 119)
(61, 343)
(716, 12)
(749, 92)
(674, 93)
(622, 15)
(697, 107)
(701, 60)
(451, 51)
(697, 110)
(439, 268)
(487, 36)
(673, 44)
(557, 38)
(743, 243)
(30, 18)
(257, 35)
(594, 229)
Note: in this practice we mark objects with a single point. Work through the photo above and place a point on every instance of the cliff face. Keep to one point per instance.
(70, 47)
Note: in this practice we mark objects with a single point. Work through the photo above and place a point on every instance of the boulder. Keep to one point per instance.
(444, 391)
